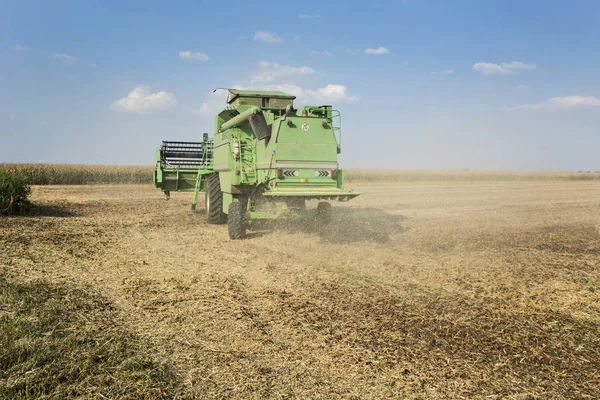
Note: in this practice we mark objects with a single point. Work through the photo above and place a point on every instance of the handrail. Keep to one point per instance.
(338, 128)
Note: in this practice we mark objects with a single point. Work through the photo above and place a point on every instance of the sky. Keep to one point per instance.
(421, 84)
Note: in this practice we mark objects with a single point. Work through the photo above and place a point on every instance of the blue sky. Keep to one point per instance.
(511, 85)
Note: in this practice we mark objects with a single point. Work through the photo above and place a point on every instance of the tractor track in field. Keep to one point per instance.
(416, 290)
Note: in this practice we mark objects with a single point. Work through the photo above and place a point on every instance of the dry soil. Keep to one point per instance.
(415, 290)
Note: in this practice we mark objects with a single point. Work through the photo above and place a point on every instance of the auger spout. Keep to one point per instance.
(240, 119)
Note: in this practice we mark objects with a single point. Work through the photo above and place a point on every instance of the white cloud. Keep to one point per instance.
(512, 68)
(283, 78)
(522, 87)
(492, 69)
(378, 51)
(573, 102)
(205, 109)
(213, 104)
(190, 55)
(560, 103)
(321, 53)
(65, 58)
(332, 93)
(141, 101)
(267, 37)
(305, 16)
(515, 66)
(18, 47)
(270, 72)
(443, 72)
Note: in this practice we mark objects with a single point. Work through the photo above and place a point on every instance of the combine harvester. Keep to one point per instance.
(265, 159)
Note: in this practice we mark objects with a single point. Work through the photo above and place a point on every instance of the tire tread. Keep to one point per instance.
(236, 221)
(215, 214)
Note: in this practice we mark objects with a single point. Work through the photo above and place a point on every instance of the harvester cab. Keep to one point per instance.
(265, 160)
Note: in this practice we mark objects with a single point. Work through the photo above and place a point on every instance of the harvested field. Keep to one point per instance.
(418, 289)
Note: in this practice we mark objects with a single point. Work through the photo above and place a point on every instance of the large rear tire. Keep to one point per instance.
(213, 200)
(236, 220)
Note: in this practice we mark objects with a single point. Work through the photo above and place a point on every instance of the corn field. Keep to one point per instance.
(380, 175)
(71, 174)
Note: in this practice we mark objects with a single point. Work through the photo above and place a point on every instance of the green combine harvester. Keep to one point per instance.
(265, 159)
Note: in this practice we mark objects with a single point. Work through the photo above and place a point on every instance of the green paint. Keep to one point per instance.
(258, 135)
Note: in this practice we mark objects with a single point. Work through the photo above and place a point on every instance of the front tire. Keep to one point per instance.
(236, 220)
(213, 200)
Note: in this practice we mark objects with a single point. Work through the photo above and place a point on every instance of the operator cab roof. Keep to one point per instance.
(253, 93)
(264, 99)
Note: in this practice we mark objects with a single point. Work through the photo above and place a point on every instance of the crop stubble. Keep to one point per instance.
(416, 290)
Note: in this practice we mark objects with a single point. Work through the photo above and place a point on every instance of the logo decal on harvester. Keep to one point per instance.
(321, 174)
(305, 127)
(290, 172)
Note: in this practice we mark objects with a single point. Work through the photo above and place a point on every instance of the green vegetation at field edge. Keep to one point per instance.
(14, 191)
(63, 343)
